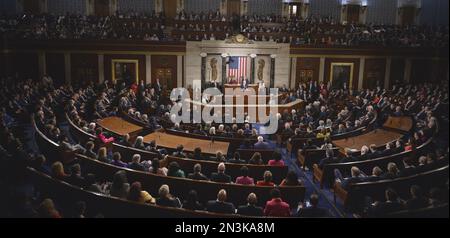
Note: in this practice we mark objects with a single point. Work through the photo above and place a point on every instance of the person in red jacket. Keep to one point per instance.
(276, 207)
(102, 137)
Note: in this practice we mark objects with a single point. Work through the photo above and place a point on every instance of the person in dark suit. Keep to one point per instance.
(261, 144)
(220, 205)
(166, 199)
(313, 210)
(157, 87)
(348, 157)
(417, 200)
(220, 176)
(136, 163)
(244, 84)
(356, 177)
(250, 209)
(374, 153)
(391, 204)
(179, 153)
(75, 177)
(329, 158)
(197, 174)
(392, 171)
(408, 168)
(192, 202)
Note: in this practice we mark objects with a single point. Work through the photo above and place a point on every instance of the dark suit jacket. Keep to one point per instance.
(220, 207)
(250, 210)
(387, 207)
(313, 212)
(197, 176)
(261, 145)
(220, 178)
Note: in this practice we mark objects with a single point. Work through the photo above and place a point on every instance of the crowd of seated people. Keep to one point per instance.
(315, 30)
(418, 199)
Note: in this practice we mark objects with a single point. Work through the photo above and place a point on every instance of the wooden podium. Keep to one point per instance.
(234, 86)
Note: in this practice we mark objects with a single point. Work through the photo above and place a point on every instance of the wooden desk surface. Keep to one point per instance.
(378, 137)
(119, 126)
(172, 141)
(400, 123)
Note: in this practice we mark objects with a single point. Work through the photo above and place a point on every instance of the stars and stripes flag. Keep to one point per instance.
(237, 67)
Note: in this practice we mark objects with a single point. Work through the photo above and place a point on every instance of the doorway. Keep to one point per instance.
(353, 13)
(233, 7)
(165, 76)
(170, 8)
(101, 7)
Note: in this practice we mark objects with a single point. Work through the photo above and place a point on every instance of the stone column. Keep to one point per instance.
(148, 68)
(252, 68)
(68, 67)
(322, 70)
(224, 68)
(272, 70)
(387, 74)
(42, 64)
(203, 69)
(180, 5)
(244, 7)
(90, 7)
(293, 72)
(179, 71)
(101, 68)
(362, 64)
(407, 74)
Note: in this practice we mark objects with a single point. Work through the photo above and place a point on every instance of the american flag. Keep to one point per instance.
(237, 67)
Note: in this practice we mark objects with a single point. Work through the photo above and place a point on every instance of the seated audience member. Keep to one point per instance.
(276, 159)
(417, 200)
(157, 169)
(236, 159)
(291, 179)
(179, 153)
(313, 210)
(247, 145)
(220, 157)
(58, 171)
(39, 164)
(329, 158)
(47, 209)
(117, 160)
(220, 205)
(102, 155)
(75, 177)
(120, 186)
(126, 141)
(197, 154)
(276, 207)
(92, 185)
(364, 153)
(356, 177)
(175, 170)
(389, 149)
(66, 146)
(90, 150)
(408, 168)
(251, 209)
(309, 145)
(102, 137)
(392, 204)
(139, 143)
(348, 156)
(376, 174)
(373, 152)
(80, 210)
(436, 198)
(392, 171)
(261, 144)
(136, 194)
(267, 180)
(256, 159)
(192, 203)
(197, 174)
(220, 176)
(244, 179)
(136, 163)
(166, 199)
